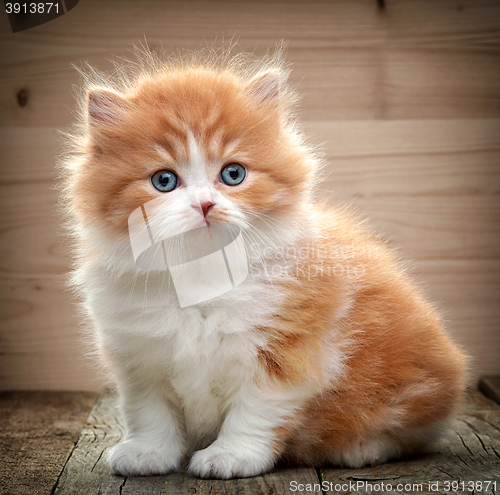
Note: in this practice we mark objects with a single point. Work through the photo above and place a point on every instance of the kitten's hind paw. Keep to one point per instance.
(138, 458)
(220, 462)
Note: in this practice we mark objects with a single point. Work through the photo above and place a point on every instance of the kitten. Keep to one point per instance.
(322, 351)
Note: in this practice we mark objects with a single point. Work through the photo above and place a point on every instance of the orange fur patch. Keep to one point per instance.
(401, 371)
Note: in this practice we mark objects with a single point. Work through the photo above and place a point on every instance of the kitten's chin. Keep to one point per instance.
(201, 223)
(208, 222)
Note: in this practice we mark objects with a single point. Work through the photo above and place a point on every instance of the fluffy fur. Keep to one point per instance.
(326, 353)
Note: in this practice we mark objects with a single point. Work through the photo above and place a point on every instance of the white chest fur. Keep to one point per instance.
(206, 382)
(198, 356)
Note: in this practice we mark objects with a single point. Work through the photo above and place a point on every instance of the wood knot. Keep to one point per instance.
(22, 97)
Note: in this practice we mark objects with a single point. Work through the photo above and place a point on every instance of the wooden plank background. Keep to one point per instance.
(406, 101)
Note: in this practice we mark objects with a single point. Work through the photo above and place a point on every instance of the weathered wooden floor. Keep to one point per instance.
(38, 431)
(467, 460)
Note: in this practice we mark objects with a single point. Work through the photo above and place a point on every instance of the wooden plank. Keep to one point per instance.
(430, 186)
(440, 58)
(335, 83)
(42, 347)
(41, 343)
(86, 472)
(38, 431)
(447, 84)
(176, 25)
(29, 152)
(469, 453)
(467, 295)
(275, 483)
(369, 66)
(445, 24)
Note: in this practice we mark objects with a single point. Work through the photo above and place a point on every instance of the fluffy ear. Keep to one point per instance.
(265, 87)
(104, 106)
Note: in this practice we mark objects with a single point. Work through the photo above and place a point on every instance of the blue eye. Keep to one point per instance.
(164, 180)
(233, 174)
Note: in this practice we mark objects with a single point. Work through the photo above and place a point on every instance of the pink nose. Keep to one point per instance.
(205, 207)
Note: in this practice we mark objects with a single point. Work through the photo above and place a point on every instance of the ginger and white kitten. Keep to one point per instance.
(325, 353)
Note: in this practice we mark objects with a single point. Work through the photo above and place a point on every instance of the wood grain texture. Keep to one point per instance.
(406, 102)
(41, 345)
(470, 451)
(38, 431)
(418, 60)
(432, 187)
(467, 295)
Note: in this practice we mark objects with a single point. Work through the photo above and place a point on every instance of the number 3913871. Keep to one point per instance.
(31, 8)
(470, 486)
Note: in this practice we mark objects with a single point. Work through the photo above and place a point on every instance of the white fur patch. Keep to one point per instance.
(244, 445)
(155, 441)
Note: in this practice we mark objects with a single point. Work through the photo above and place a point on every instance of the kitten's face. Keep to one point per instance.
(205, 146)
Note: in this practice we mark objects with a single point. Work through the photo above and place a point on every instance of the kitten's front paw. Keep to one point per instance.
(138, 458)
(222, 462)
